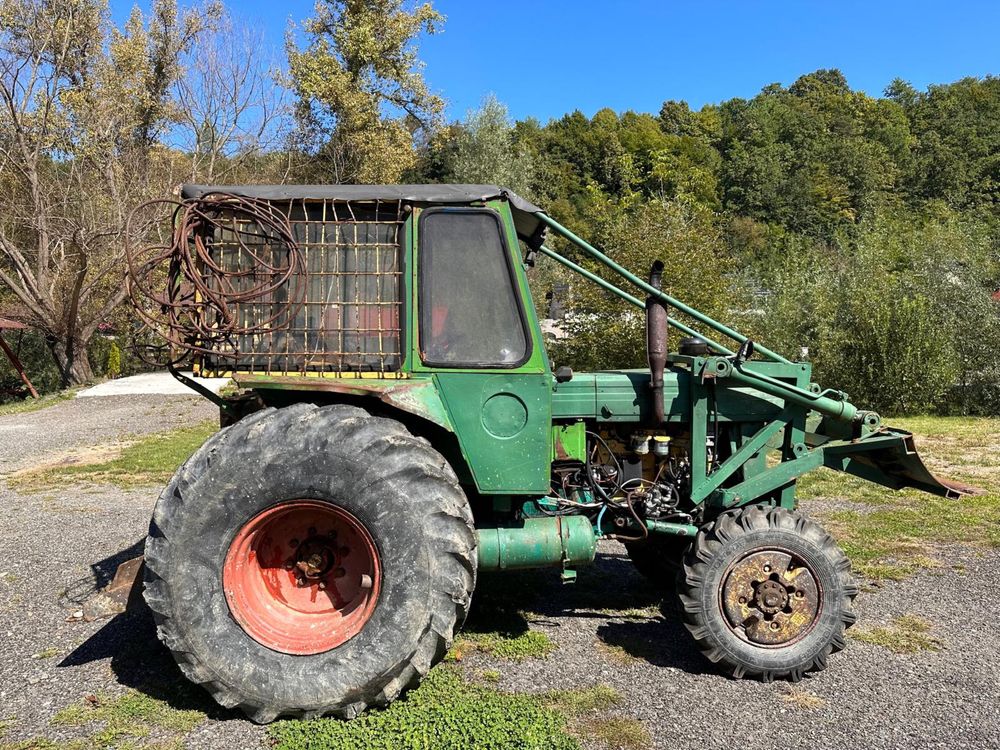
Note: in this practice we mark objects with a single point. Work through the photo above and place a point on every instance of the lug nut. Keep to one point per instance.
(775, 626)
(743, 600)
(767, 568)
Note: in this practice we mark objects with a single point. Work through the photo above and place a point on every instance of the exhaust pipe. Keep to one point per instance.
(656, 341)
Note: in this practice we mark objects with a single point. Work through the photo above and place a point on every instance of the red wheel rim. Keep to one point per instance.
(302, 577)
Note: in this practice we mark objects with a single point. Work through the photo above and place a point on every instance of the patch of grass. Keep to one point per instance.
(801, 698)
(446, 713)
(904, 635)
(126, 718)
(8, 577)
(151, 460)
(496, 626)
(504, 645)
(628, 643)
(619, 733)
(6, 724)
(491, 676)
(577, 702)
(29, 405)
(895, 534)
(46, 653)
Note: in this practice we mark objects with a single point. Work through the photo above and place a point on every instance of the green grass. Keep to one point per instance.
(29, 405)
(575, 703)
(151, 460)
(125, 722)
(497, 625)
(46, 653)
(904, 635)
(504, 645)
(122, 720)
(619, 733)
(893, 534)
(444, 713)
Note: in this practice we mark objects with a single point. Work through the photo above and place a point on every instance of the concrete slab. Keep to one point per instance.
(151, 383)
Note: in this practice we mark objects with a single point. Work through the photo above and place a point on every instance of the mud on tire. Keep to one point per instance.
(395, 484)
(737, 536)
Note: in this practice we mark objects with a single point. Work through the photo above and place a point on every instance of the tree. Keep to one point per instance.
(815, 157)
(484, 149)
(361, 94)
(83, 106)
(232, 111)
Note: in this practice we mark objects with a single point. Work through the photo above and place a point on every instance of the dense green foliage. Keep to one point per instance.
(864, 229)
(444, 712)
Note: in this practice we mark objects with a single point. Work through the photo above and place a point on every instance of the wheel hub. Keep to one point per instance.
(770, 598)
(302, 577)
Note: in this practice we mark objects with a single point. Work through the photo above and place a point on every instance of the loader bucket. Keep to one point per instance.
(890, 458)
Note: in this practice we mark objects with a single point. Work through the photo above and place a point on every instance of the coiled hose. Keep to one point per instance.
(187, 294)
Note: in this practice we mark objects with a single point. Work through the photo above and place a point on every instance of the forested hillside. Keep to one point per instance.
(864, 228)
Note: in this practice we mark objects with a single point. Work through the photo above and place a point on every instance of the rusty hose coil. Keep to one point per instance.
(185, 294)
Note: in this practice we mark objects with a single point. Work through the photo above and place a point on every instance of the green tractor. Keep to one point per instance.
(400, 428)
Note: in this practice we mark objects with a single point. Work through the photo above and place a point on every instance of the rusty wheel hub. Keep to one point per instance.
(770, 598)
(302, 577)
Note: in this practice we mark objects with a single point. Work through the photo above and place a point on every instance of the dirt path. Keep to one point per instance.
(55, 547)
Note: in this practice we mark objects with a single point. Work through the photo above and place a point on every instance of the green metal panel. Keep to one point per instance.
(623, 396)
(502, 417)
(503, 422)
(569, 441)
(538, 542)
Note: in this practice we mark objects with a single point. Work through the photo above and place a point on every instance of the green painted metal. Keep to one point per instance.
(834, 405)
(504, 424)
(736, 461)
(561, 541)
(417, 395)
(502, 417)
(671, 529)
(569, 441)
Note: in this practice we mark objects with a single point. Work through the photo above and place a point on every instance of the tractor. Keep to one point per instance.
(399, 428)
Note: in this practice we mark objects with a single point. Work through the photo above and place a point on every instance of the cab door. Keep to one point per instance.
(477, 332)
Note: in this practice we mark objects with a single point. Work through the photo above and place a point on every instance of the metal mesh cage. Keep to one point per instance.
(350, 311)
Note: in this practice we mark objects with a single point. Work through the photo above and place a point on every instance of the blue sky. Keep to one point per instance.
(549, 57)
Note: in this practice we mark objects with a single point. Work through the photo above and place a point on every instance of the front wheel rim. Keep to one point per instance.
(771, 598)
(302, 577)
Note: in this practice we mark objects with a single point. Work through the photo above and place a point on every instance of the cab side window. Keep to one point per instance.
(469, 310)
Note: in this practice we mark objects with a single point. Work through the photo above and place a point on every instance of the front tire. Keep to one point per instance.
(766, 593)
(310, 561)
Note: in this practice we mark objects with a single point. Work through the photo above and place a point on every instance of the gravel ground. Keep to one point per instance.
(55, 548)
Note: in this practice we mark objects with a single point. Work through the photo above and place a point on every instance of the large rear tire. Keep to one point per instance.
(766, 593)
(310, 561)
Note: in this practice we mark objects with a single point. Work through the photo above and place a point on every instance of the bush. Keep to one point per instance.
(900, 316)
